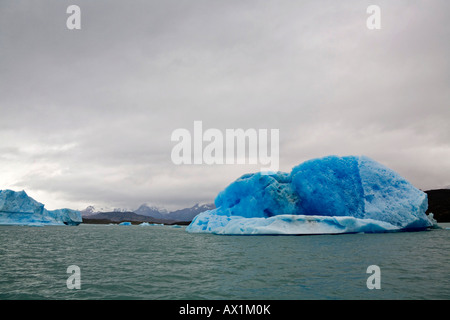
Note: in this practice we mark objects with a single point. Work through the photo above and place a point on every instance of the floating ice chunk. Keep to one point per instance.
(146, 224)
(389, 197)
(125, 223)
(328, 195)
(288, 224)
(67, 216)
(17, 208)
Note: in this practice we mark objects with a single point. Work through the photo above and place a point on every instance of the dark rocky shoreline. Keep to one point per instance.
(439, 204)
(105, 221)
(133, 218)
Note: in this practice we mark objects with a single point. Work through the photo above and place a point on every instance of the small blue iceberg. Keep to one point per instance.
(329, 195)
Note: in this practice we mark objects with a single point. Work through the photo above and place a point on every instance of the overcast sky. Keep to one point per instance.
(86, 115)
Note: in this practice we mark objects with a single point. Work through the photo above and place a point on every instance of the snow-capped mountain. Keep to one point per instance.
(90, 210)
(146, 210)
(151, 211)
(186, 214)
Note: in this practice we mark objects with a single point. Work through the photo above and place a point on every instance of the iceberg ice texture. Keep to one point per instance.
(321, 196)
(17, 208)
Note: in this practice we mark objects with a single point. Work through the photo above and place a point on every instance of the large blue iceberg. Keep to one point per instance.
(17, 208)
(329, 195)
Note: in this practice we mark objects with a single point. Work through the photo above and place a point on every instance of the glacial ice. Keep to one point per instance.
(17, 208)
(328, 195)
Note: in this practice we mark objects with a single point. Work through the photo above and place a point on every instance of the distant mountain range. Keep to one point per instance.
(186, 214)
(145, 213)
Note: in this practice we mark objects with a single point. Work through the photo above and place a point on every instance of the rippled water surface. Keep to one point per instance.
(162, 262)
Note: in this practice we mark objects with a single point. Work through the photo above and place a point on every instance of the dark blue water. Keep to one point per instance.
(161, 262)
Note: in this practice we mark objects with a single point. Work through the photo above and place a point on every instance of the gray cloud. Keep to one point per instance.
(86, 115)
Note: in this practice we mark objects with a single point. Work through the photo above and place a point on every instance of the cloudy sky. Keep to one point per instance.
(86, 115)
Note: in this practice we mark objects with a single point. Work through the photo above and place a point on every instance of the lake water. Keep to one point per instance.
(162, 262)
